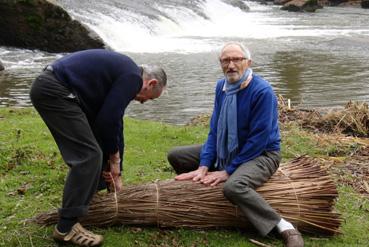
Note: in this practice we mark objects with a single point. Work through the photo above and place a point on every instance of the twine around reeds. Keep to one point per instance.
(300, 191)
(115, 196)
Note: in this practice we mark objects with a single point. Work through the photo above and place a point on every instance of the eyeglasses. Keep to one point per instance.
(228, 60)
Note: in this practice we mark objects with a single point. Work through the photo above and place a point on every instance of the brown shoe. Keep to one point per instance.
(292, 238)
(78, 236)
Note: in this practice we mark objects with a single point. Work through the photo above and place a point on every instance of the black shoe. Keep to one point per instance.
(292, 238)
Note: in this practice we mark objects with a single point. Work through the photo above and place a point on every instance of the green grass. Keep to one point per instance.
(32, 176)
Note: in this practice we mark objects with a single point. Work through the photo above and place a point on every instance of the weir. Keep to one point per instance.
(315, 60)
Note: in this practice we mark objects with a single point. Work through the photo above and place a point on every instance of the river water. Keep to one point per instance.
(315, 59)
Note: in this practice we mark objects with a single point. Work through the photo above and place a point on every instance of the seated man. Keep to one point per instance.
(243, 145)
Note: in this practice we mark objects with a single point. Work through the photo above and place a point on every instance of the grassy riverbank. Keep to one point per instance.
(32, 176)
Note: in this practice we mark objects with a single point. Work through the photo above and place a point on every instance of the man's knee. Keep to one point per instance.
(234, 189)
(181, 160)
(172, 156)
(96, 157)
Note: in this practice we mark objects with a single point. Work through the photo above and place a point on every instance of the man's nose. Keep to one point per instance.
(231, 64)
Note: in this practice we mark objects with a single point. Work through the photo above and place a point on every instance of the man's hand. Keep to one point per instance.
(114, 183)
(196, 175)
(115, 169)
(115, 173)
(112, 177)
(118, 185)
(214, 178)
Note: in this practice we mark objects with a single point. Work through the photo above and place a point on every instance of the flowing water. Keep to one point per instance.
(315, 59)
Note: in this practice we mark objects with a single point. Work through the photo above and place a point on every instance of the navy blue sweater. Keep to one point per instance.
(257, 121)
(105, 82)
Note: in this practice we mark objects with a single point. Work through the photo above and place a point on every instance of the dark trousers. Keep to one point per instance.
(241, 185)
(69, 126)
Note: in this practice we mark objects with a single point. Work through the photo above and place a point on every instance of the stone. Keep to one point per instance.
(43, 25)
(280, 2)
(301, 6)
(239, 4)
(365, 4)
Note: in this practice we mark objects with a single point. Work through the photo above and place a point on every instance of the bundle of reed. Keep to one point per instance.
(300, 191)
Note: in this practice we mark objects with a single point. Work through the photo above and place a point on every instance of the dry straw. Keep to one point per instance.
(353, 119)
(300, 191)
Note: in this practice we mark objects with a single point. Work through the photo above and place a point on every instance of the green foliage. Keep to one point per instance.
(355, 212)
(297, 142)
(146, 147)
(32, 175)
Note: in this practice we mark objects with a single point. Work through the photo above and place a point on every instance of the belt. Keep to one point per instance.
(49, 68)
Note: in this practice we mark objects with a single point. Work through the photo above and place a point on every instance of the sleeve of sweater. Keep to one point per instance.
(108, 122)
(209, 150)
(260, 126)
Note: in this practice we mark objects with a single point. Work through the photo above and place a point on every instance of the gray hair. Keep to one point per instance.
(245, 50)
(154, 72)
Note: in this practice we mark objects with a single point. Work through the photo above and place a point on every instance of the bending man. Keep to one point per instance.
(82, 98)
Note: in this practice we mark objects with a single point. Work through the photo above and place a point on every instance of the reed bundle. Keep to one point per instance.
(300, 191)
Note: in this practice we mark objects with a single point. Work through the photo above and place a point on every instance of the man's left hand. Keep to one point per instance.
(214, 178)
(112, 177)
(118, 184)
(114, 183)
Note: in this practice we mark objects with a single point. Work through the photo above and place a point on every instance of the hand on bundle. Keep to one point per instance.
(196, 175)
(112, 176)
(214, 178)
(114, 182)
(117, 185)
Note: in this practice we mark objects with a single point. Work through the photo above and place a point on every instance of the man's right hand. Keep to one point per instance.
(196, 175)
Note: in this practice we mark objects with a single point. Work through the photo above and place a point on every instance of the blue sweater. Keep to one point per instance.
(257, 120)
(105, 82)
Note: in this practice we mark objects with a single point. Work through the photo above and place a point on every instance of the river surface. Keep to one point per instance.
(315, 59)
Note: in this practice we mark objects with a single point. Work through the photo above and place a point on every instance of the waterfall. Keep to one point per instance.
(192, 26)
(172, 26)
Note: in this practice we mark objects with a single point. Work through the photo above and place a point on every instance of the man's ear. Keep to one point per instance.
(153, 82)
